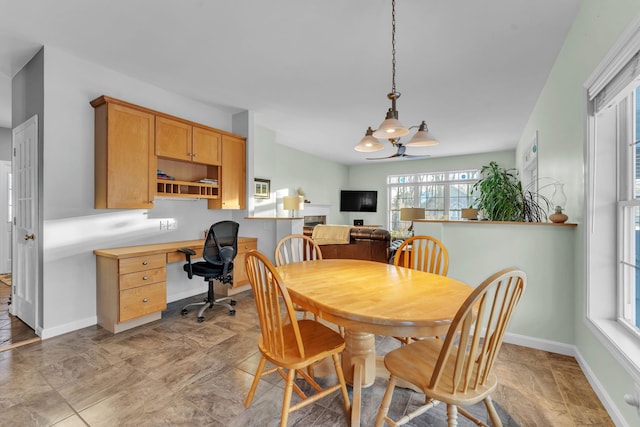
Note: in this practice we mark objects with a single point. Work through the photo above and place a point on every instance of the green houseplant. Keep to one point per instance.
(500, 197)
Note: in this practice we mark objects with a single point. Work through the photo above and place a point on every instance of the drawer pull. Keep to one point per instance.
(145, 278)
(145, 300)
(145, 262)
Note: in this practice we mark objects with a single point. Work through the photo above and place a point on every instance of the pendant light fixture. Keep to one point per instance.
(391, 128)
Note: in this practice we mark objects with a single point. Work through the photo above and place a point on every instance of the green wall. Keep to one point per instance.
(559, 119)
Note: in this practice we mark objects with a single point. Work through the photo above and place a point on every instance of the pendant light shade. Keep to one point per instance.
(390, 128)
(422, 138)
(369, 143)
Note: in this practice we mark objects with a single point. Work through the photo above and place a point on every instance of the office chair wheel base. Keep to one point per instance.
(232, 312)
(184, 311)
(232, 302)
(200, 319)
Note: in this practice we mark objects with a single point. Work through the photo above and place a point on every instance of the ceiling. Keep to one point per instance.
(317, 72)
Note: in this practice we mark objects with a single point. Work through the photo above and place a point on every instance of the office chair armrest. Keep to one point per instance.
(188, 252)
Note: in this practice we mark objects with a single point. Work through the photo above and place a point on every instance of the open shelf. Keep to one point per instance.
(187, 189)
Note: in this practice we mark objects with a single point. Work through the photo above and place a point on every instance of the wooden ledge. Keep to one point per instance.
(471, 221)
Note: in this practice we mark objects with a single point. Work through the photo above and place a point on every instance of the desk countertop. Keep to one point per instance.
(151, 249)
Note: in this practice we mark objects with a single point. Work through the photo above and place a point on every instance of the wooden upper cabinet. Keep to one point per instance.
(125, 164)
(182, 141)
(233, 177)
(173, 139)
(206, 146)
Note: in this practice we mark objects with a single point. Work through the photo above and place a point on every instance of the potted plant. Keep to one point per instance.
(501, 197)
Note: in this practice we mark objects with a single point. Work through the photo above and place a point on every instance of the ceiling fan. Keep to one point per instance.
(400, 153)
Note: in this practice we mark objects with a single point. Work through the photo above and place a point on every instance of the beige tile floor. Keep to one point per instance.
(179, 372)
(12, 329)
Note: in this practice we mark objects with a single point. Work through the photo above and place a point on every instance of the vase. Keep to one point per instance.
(558, 217)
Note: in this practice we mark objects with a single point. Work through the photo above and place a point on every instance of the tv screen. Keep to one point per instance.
(358, 201)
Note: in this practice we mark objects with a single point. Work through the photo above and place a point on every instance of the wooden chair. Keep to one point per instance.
(289, 343)
(423, 253)
(296, 248)
(458, 370)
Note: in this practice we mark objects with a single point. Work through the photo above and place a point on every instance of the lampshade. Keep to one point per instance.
(390, 128)
(293, 203)
(422, 138)
(369, 143)
(410, 214)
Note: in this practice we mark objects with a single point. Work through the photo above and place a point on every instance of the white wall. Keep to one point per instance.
(5, 144)
(288, 169)
(559, 118)
(72, 227)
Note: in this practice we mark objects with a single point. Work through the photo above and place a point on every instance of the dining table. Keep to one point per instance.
(371, 298)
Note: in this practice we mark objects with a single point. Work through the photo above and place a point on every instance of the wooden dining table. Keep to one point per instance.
(371, 298)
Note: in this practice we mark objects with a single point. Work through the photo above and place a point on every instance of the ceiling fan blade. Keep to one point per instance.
(381, 158)
(420, 156)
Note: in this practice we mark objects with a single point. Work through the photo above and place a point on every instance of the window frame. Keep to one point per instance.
(421, 179)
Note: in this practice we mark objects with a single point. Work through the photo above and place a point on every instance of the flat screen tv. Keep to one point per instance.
(358, 201)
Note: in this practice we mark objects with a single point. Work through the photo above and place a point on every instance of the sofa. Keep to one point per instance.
(364, 243)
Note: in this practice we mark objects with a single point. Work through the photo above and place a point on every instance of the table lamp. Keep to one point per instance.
(293, 204)
(411, 214)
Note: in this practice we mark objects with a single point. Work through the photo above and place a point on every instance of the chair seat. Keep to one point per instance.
(319, 342)
(206, 270)
(415, 363)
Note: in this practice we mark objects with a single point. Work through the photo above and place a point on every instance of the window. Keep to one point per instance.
(612, 219)
(441, 194)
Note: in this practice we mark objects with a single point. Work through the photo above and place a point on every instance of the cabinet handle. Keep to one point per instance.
(145, 300)
(145, 262)
(145, 278)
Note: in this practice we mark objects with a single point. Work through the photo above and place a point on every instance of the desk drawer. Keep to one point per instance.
(143, 300)
(139, 263)
(140, 278)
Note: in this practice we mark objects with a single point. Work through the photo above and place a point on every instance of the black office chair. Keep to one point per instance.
(220, 248)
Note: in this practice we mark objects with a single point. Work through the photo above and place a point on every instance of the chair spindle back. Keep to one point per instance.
(296, 248)
(423, 253)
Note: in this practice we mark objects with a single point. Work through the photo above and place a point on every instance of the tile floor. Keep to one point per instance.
(179, 372)
(12, 329)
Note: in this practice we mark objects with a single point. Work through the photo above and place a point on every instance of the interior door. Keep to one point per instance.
(5, 216)
(25, 203)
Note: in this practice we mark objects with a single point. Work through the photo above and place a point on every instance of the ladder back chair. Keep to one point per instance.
(288, 343)
(458, 369)
(423, 253)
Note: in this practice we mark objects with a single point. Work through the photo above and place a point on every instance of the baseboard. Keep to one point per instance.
(67, 327)
(571, 350)
(604, 397)
(540, 344)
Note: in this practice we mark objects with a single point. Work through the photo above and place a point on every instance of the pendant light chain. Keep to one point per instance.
(393, 46)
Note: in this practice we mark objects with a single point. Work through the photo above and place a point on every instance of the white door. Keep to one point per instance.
(5, 216)
(24, 300)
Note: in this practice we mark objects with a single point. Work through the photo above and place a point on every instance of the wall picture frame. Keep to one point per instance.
(261, 188)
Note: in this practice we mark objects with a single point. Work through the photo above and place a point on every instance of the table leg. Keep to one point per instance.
(359, 345)
(359, 366)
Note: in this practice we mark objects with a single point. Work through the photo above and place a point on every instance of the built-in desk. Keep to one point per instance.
(132, 280)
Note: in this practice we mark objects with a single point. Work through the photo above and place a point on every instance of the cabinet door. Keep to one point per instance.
(233, 176)
(173, 139)
(206, 146)
(240, 276)
(125, 164)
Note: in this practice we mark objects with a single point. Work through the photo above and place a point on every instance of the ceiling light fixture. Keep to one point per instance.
(391, 128)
